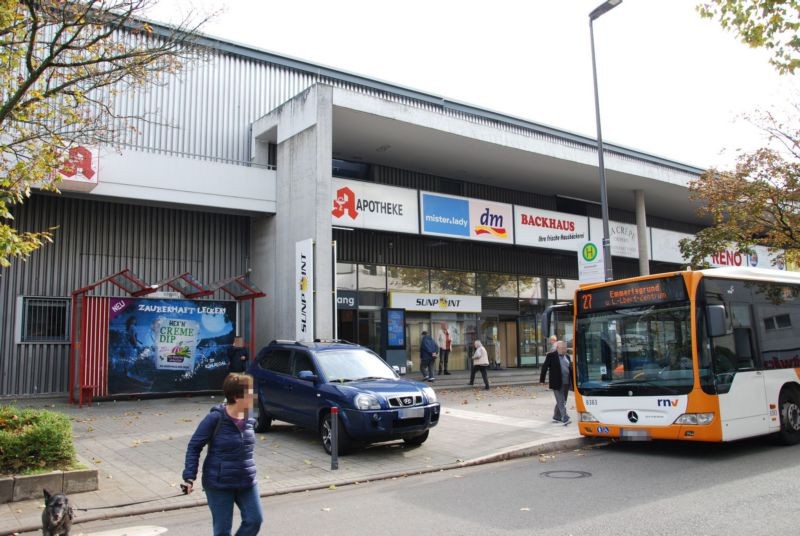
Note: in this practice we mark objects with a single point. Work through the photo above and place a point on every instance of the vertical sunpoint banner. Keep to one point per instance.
(304, 290)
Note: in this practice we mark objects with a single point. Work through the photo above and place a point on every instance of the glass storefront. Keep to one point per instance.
(511, 340)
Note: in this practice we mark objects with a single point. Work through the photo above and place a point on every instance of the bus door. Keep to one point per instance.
(740, 382)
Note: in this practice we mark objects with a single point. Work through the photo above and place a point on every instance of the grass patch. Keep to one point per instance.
(34, 441)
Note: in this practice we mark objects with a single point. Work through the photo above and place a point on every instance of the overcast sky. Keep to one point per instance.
(671, 84)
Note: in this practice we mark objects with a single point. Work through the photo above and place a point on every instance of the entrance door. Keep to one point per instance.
(508, 349)
(416, 323)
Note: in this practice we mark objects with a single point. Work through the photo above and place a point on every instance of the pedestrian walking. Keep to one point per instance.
(560, 368)
(238, 357)
(443, 341)
(427, 354)
(229, 472)
(480, 362)
(551, 346)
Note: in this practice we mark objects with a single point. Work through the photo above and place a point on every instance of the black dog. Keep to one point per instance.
(57, 515)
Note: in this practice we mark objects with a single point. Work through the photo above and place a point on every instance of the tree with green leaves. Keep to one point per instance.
(769, 24)
(755, 204)
(758, 202)
(61, 64)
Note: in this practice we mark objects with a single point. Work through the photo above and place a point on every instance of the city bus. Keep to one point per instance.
(706, 355)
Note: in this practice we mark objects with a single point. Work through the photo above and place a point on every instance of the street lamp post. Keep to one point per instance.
(606, 6)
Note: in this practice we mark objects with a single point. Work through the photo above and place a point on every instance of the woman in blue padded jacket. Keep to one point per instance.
(229, 472)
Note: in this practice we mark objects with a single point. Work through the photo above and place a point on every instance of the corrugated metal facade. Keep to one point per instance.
(206, 113)
(94, 240)
(206, 110)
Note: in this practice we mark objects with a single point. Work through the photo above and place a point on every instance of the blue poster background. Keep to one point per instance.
(140, 339)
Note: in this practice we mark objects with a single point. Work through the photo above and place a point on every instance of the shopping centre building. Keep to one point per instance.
(339, 197)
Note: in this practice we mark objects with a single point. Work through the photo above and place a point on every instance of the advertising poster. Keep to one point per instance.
(163, 346)
(395, 329)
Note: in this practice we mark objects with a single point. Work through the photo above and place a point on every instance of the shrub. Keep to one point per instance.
(32, 439)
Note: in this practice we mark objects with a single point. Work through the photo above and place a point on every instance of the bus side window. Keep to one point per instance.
(743, 347)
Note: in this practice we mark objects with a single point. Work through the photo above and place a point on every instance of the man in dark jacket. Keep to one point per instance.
(427, 353)
(238, 359)
(560, 367)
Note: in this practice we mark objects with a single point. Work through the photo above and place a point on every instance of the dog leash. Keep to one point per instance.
(130, 503)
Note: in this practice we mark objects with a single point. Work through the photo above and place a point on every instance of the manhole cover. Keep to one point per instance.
(566, 474)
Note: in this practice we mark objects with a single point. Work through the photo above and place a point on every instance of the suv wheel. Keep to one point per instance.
(326, 433)
(263, 419)
(417, 440)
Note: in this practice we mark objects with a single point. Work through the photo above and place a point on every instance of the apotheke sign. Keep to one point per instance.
(439, 303)
(374, 206)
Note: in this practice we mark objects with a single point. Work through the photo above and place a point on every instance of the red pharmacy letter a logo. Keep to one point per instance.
(345, 202)
(80, 159)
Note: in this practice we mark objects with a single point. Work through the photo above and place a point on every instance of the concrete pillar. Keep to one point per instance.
(305, 145)
(641, 230)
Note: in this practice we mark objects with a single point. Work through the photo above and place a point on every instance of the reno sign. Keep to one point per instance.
(760, 258)
(365, 205)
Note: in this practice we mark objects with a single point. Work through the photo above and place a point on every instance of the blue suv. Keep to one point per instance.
(300, 382)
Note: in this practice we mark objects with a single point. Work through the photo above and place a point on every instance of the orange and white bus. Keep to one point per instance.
(707, 355)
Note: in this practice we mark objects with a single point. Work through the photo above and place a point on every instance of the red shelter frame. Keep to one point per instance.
(88, 373)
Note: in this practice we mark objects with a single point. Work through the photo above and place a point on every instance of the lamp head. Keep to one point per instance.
(606, 6)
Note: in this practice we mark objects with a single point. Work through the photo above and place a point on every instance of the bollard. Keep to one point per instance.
(334, 438)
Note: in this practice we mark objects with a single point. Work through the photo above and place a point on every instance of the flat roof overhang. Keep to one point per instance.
(379, 131)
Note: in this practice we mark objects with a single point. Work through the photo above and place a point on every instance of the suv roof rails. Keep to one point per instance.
(284, 341)
(340, 341)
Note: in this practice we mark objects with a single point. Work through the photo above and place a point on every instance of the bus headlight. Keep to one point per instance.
(695, 418)
(587, 417)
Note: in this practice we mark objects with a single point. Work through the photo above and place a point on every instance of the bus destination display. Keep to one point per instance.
(641, 293)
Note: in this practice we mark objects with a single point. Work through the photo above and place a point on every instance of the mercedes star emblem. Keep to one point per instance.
(633, 417)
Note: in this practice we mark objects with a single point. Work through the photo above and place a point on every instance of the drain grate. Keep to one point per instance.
(566, 474)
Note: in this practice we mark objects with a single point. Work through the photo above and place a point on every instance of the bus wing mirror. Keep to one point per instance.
(715, 318)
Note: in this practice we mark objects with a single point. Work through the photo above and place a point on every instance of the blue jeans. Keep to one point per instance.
(220, 502)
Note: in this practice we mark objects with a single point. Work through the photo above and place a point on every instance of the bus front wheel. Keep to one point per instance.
(789, 405)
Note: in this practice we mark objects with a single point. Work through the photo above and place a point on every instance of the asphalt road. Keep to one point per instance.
(751, 487)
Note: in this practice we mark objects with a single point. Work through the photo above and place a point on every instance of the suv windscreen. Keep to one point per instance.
(344, 365)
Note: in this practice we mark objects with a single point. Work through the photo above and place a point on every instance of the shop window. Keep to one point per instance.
(565, 289)
(372, 277)
(44, 319)
(408, 279)
(778, 322)
(346, 276)
(452, 282)
(351, 170)
(530, 288)
(497, 285)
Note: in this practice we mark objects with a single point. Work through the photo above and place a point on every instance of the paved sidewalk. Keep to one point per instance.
(139, 446)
